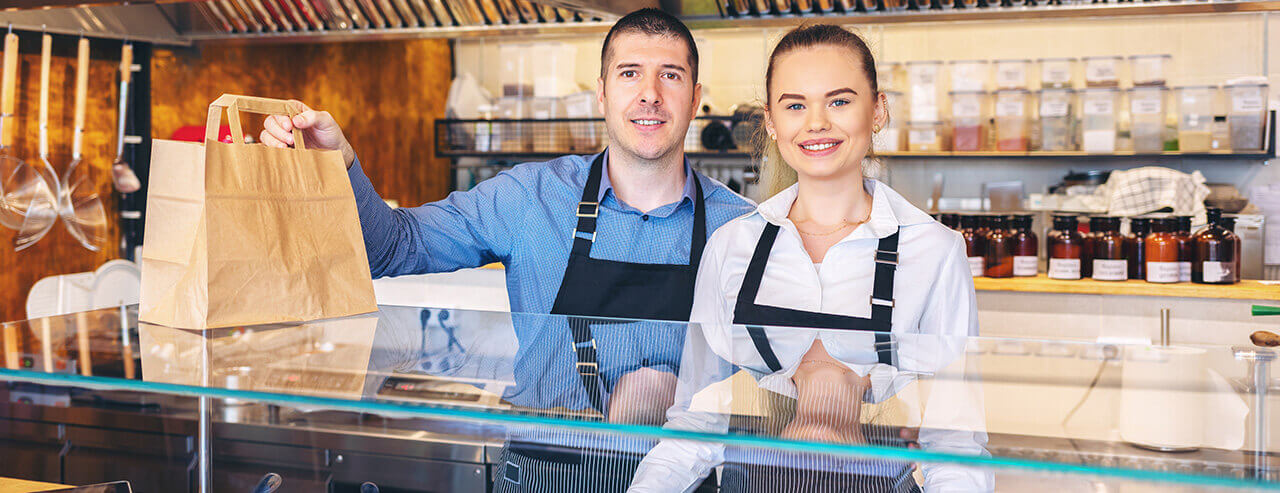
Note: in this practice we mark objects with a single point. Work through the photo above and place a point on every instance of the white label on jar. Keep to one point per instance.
(1184, 271)
(1246, 101)
(1057, 73)
(924, 112)
(1162, 272)
(1149, 69)
(1009, 107)
(922, 74)
(1099, 106)
(1110, 270)
(1103, 70)
(1064, 268)
(966, 108)
(977, 266)
(927, 136)
(1011, 76)
(1145, 105)
(1052, 109)
(1025, 266)
(1219, 272)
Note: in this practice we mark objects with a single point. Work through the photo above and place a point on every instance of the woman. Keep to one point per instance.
(831, 249)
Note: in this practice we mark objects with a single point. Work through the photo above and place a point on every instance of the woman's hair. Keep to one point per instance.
(775, 175)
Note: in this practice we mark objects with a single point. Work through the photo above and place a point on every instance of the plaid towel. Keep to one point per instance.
(1151, 188)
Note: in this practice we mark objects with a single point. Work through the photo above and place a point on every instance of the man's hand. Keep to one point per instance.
(319, 131)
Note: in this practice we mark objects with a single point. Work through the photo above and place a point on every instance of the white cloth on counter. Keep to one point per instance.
(1151, 188)
(935, 310)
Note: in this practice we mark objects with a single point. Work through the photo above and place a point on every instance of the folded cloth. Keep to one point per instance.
(1151, 188)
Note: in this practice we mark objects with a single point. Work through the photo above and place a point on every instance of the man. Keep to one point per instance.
(618, 234)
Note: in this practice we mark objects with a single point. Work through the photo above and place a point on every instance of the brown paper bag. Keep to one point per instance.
(241, 234)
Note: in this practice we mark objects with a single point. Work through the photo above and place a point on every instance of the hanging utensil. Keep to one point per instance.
(78, 202)
(121, 173)
(41, 211)
(15, 176)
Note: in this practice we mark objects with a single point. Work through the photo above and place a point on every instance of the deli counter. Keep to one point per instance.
(423, 400)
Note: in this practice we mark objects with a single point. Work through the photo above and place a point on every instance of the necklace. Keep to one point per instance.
(844, 223)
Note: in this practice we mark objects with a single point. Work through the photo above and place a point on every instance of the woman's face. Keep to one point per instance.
(822, 111)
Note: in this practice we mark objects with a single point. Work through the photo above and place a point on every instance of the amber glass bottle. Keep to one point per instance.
(1026, 246)
(1217, 251)
(1135, 250)
(950, 220)
(999, 252)
(1086, 256)
(975, 245)
(1186, 247)
(1107, 249)
(1065, 246)
(1161, 247)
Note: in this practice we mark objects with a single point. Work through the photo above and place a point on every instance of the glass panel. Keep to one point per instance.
(435, 399)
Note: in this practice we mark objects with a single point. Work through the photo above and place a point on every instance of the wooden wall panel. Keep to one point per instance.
(59, 252)
(386, 95)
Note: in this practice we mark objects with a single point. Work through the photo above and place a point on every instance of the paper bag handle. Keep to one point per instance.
(234, 104)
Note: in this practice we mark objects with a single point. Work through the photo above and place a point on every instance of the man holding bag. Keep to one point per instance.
(618, 234)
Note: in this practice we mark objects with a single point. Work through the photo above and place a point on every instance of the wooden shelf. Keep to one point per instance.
(1076, 155)
(1245, 290)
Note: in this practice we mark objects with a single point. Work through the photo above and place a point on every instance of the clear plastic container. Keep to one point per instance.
(1147, 111)
(925, 90)
(1102, 71)
(892, 138)
(1057, 120)
(1098, 128)
(890, 77)
(969, 75)
(512, 136)
(1057, 73)
(925, 136)
(1012, 120)
(551, 136)
(1247, 109)
(1011, 74)
(553, 72)
(1149, 70)
(514, 75)
(1219, 134)
(1195, 118)
(584, 137)
(968, 119)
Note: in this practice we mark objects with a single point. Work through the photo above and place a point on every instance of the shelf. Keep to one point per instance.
(1075, 155)
(535, 156)
(1244, 290)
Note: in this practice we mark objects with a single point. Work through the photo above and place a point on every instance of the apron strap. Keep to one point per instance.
(761, 341)
(588, 364)
(755, 270)
(588, 209)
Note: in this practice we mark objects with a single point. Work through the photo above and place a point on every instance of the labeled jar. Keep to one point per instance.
(1195, 118)
(968, 114)
(1065, 248)
(969, 75)
(1011, 74)
(1186, 247)
(999, 251)
(1135, 249)
(1220, 134)
(1012, 120)
(1146, 109)
(1247, 115)
(1025, 247)
(1149, 70)
(1108, 247)
(1102, 71)
(1217, 251)
(925, 90)
(1162, 251)
(1098, 129)
(1086, 256)
(975, 244)
(924, 136)
(1057, 120)
(1057, 73)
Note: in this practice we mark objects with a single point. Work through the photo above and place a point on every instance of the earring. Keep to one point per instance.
(875, 129)
(772, 136)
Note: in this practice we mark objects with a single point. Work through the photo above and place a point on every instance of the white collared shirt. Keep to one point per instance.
(933, 296)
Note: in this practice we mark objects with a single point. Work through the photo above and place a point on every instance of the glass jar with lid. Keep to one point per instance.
(1149, 70)
(1195, 117)
(969, 75)
(1109, 263)
(925, 90)
(1247, 103)
(1217, 251)
(1065, 248)
(1186, 247)
(1011, 74)
(1102, 71)
(1162, 251)
(1025, 247)
(1135, 246)
(975, 244)
(1146, 109)
(1057, 73)
(890, 77)
(1099, 120)
(1012, 120)
(925, 136)
(1057, 120)
(999, 251)
(968, 116)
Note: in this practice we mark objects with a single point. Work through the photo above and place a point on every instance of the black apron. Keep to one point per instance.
(776, 471)
(612, 289)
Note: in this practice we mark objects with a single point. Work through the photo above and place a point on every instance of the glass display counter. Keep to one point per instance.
(426, 399)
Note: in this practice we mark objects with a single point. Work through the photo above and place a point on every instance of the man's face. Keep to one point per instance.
(647, 95)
